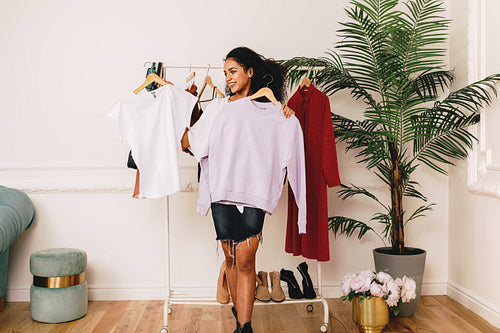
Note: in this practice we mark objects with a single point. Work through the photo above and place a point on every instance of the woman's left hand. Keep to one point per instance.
(287, 111)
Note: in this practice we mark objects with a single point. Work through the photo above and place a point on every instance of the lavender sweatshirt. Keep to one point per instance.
(251, 146)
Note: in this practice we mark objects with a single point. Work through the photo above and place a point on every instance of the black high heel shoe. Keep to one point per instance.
(307, 285)
(233, 310)
(293, 286)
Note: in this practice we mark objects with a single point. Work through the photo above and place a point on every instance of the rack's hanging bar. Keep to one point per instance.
(194, 66)
(208, 66)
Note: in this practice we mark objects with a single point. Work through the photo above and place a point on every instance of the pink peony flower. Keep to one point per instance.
(393, 298)
(369, 274)
(346, 283)
(383, 277)
(377, 290)
(408, 287)
(360, 283)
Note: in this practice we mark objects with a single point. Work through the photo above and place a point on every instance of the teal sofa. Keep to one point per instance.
(17, 214)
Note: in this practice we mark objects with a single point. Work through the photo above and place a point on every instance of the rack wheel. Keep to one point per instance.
(309, 308)
(169, 311)
(323, 328)
(163, 330)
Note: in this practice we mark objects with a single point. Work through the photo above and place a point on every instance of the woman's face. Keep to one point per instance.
(236, 78)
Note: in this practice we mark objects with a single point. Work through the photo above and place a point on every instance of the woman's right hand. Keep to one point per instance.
(185, 142)
(287, 111)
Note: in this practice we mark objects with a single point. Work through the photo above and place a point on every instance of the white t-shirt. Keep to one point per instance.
(152, 123)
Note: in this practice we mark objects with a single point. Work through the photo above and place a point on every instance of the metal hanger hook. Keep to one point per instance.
(272, 79)
(208, 70)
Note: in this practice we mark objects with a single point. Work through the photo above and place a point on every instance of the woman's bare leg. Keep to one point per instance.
(231, 271)
(245, 290)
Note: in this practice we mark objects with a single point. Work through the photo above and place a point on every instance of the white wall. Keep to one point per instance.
(474, 268)
(65, 64)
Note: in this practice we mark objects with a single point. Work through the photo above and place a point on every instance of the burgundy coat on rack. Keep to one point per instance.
(312, 108)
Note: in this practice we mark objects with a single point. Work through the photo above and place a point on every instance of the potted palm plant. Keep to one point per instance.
(391, 55)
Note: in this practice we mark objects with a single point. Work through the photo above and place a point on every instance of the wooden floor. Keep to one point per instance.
(438, 314)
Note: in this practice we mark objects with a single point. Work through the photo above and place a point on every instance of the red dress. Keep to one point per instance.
(312, 108)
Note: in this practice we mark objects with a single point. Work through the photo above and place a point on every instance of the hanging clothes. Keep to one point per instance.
(196, 114)
(152, 123)
(251, 146)
(312, 108)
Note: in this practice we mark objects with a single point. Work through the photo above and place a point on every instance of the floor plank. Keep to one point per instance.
(435, 314)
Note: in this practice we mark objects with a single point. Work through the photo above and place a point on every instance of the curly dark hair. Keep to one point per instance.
(267, 71)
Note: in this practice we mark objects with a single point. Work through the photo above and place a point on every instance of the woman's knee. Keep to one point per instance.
(245, 261)
(245, 265)
(230, 261)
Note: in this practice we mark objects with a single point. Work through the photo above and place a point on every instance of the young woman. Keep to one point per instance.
(238, 228)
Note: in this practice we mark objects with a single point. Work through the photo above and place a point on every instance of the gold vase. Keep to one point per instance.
(371, 314)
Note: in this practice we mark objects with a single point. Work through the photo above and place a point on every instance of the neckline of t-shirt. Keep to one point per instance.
(261, 106)
(152, 95)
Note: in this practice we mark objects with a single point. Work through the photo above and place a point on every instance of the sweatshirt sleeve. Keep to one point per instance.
(329, 162)
(296, 169)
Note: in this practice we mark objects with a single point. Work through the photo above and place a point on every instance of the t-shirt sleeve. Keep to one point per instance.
(122, 121)
(199, 133)
(182, 104)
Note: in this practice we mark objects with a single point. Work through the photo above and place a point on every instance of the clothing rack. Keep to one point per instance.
(167, 309)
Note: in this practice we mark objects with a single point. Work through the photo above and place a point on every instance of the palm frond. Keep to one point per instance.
(347, 192)
(442, 132)
(428, 85)
(386, 221)
(421, 28)
(341, 225)
(420, 212)
(411, 191)
(362, 136)
(363, 44)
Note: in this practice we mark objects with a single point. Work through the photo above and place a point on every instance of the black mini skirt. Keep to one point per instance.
(231, 225)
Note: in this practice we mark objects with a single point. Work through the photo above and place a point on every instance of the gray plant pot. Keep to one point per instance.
(411, 264)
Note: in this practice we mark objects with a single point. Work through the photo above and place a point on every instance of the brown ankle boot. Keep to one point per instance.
(222, 287)
(262, 291)
(277, 294)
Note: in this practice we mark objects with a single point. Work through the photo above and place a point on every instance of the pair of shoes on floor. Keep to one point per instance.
(293, 286)
(222, 294)
(262, 291)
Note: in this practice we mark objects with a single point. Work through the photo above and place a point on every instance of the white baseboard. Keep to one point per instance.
(107, 292)
(476, 304)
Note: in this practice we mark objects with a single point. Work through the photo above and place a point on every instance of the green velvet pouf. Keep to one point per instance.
(59, 291)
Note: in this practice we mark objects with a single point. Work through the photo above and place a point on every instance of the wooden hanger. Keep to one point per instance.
(208, 80)
(150, 79)
(265, 92)
(305, 82)
(190, 76)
